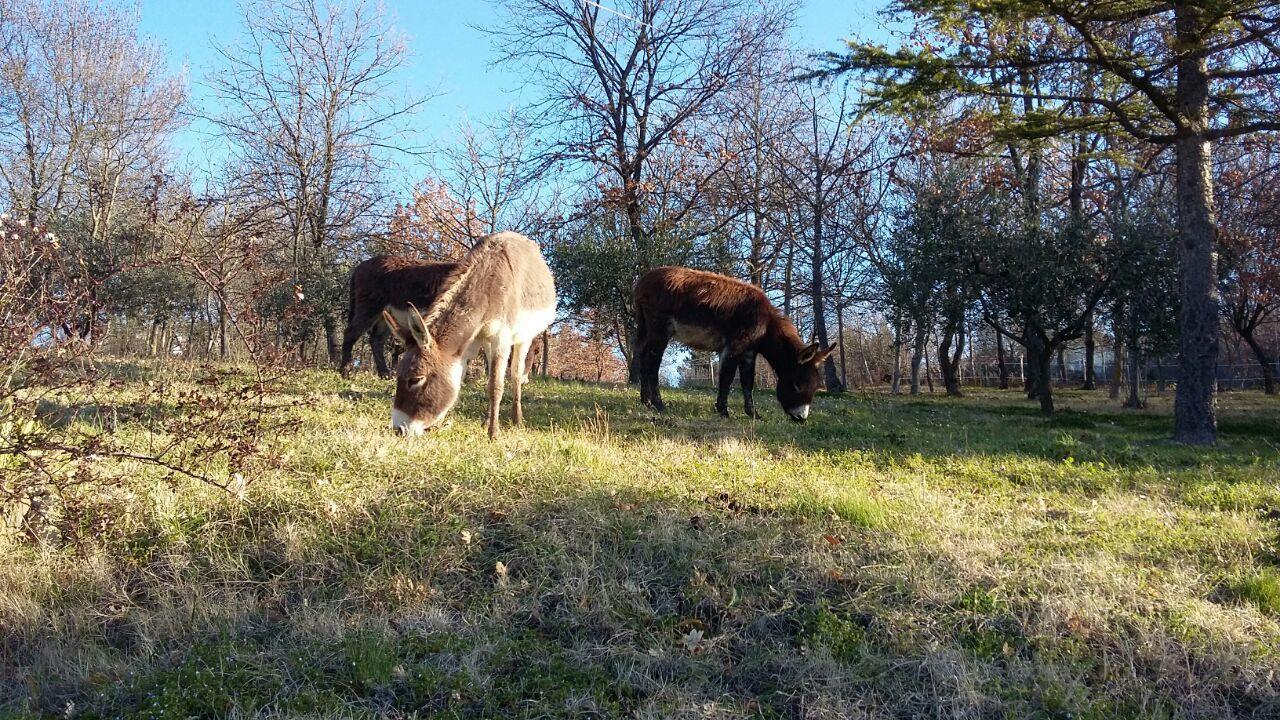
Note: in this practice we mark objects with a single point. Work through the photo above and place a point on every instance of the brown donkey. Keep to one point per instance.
(498, 300)
(382, 282)
(713, 312)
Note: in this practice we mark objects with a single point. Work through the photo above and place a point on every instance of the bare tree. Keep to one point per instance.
(86, 109)
(822, 158)
(491, 178)
(622, 84)
(310, 104)
(760, 111)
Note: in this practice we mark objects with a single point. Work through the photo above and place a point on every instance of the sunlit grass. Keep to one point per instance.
(892, 557)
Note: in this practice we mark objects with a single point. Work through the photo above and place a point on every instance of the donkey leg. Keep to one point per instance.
(655, 346)
(378, 336)
(728, 368)
(747, 376)
(518, 353)
(359, 323)
(497, 378)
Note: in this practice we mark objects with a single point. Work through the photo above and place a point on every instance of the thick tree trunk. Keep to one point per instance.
(949, 361)
(1195, 421)
(1090, 377)
(1041, 357)
(1134, 375)
(1031, 373)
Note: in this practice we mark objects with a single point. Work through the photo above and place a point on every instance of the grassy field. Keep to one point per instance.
(894, 557)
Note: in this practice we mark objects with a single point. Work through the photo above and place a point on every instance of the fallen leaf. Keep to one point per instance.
(833, 540)
(466, 537)
(692, 640)
(501, 569)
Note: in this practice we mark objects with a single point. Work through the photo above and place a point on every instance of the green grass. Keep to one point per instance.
(894, 557)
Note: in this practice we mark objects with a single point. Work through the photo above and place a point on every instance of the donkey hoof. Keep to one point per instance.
(722, 411)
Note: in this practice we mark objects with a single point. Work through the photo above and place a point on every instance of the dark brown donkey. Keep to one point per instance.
(713, 312)
(500, 297)
(381, 282)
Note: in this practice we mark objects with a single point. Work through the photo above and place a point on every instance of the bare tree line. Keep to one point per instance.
(671, 132)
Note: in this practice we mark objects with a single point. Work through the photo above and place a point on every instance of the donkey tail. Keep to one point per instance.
(351, 296)
(642, 328)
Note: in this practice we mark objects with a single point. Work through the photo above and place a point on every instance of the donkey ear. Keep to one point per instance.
(401, 333)
(418, 328)
(809, 353)
(822, 355)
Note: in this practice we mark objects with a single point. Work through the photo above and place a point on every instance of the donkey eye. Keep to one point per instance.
(417, 381)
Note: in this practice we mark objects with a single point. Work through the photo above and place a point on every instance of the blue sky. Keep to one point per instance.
(447, 55)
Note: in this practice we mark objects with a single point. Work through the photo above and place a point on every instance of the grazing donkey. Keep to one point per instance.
(712, 312)
(381, 282)
(498, 300)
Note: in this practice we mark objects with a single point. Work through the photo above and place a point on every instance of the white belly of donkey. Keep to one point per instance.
(528, 325)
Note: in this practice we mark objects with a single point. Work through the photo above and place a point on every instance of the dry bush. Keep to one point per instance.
(55, 433)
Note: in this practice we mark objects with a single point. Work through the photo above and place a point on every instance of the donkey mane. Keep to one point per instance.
(455, 280)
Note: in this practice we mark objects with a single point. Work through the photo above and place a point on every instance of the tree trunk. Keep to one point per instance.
(1134, 376)
(1062, 365)
(1194, 404)
(820, 306)
(844, 372)
(949, 362)
(1090, 378)
(1040, 355)
(917, 354)
(1031, 373)
(1117, 351)
(546, 353)
(222, 328)
(332, 339)
(151, 337)
(1268, 373)
(1000, 362)
(1044, 387)
(787, 279)
(895, 380)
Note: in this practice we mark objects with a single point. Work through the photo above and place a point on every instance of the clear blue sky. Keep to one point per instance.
(447, 55)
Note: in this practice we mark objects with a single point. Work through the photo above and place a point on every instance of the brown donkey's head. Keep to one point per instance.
(427, 379)
(798, 383)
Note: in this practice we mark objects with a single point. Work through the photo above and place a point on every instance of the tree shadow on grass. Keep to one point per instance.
(604, 605)
(937, 429)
